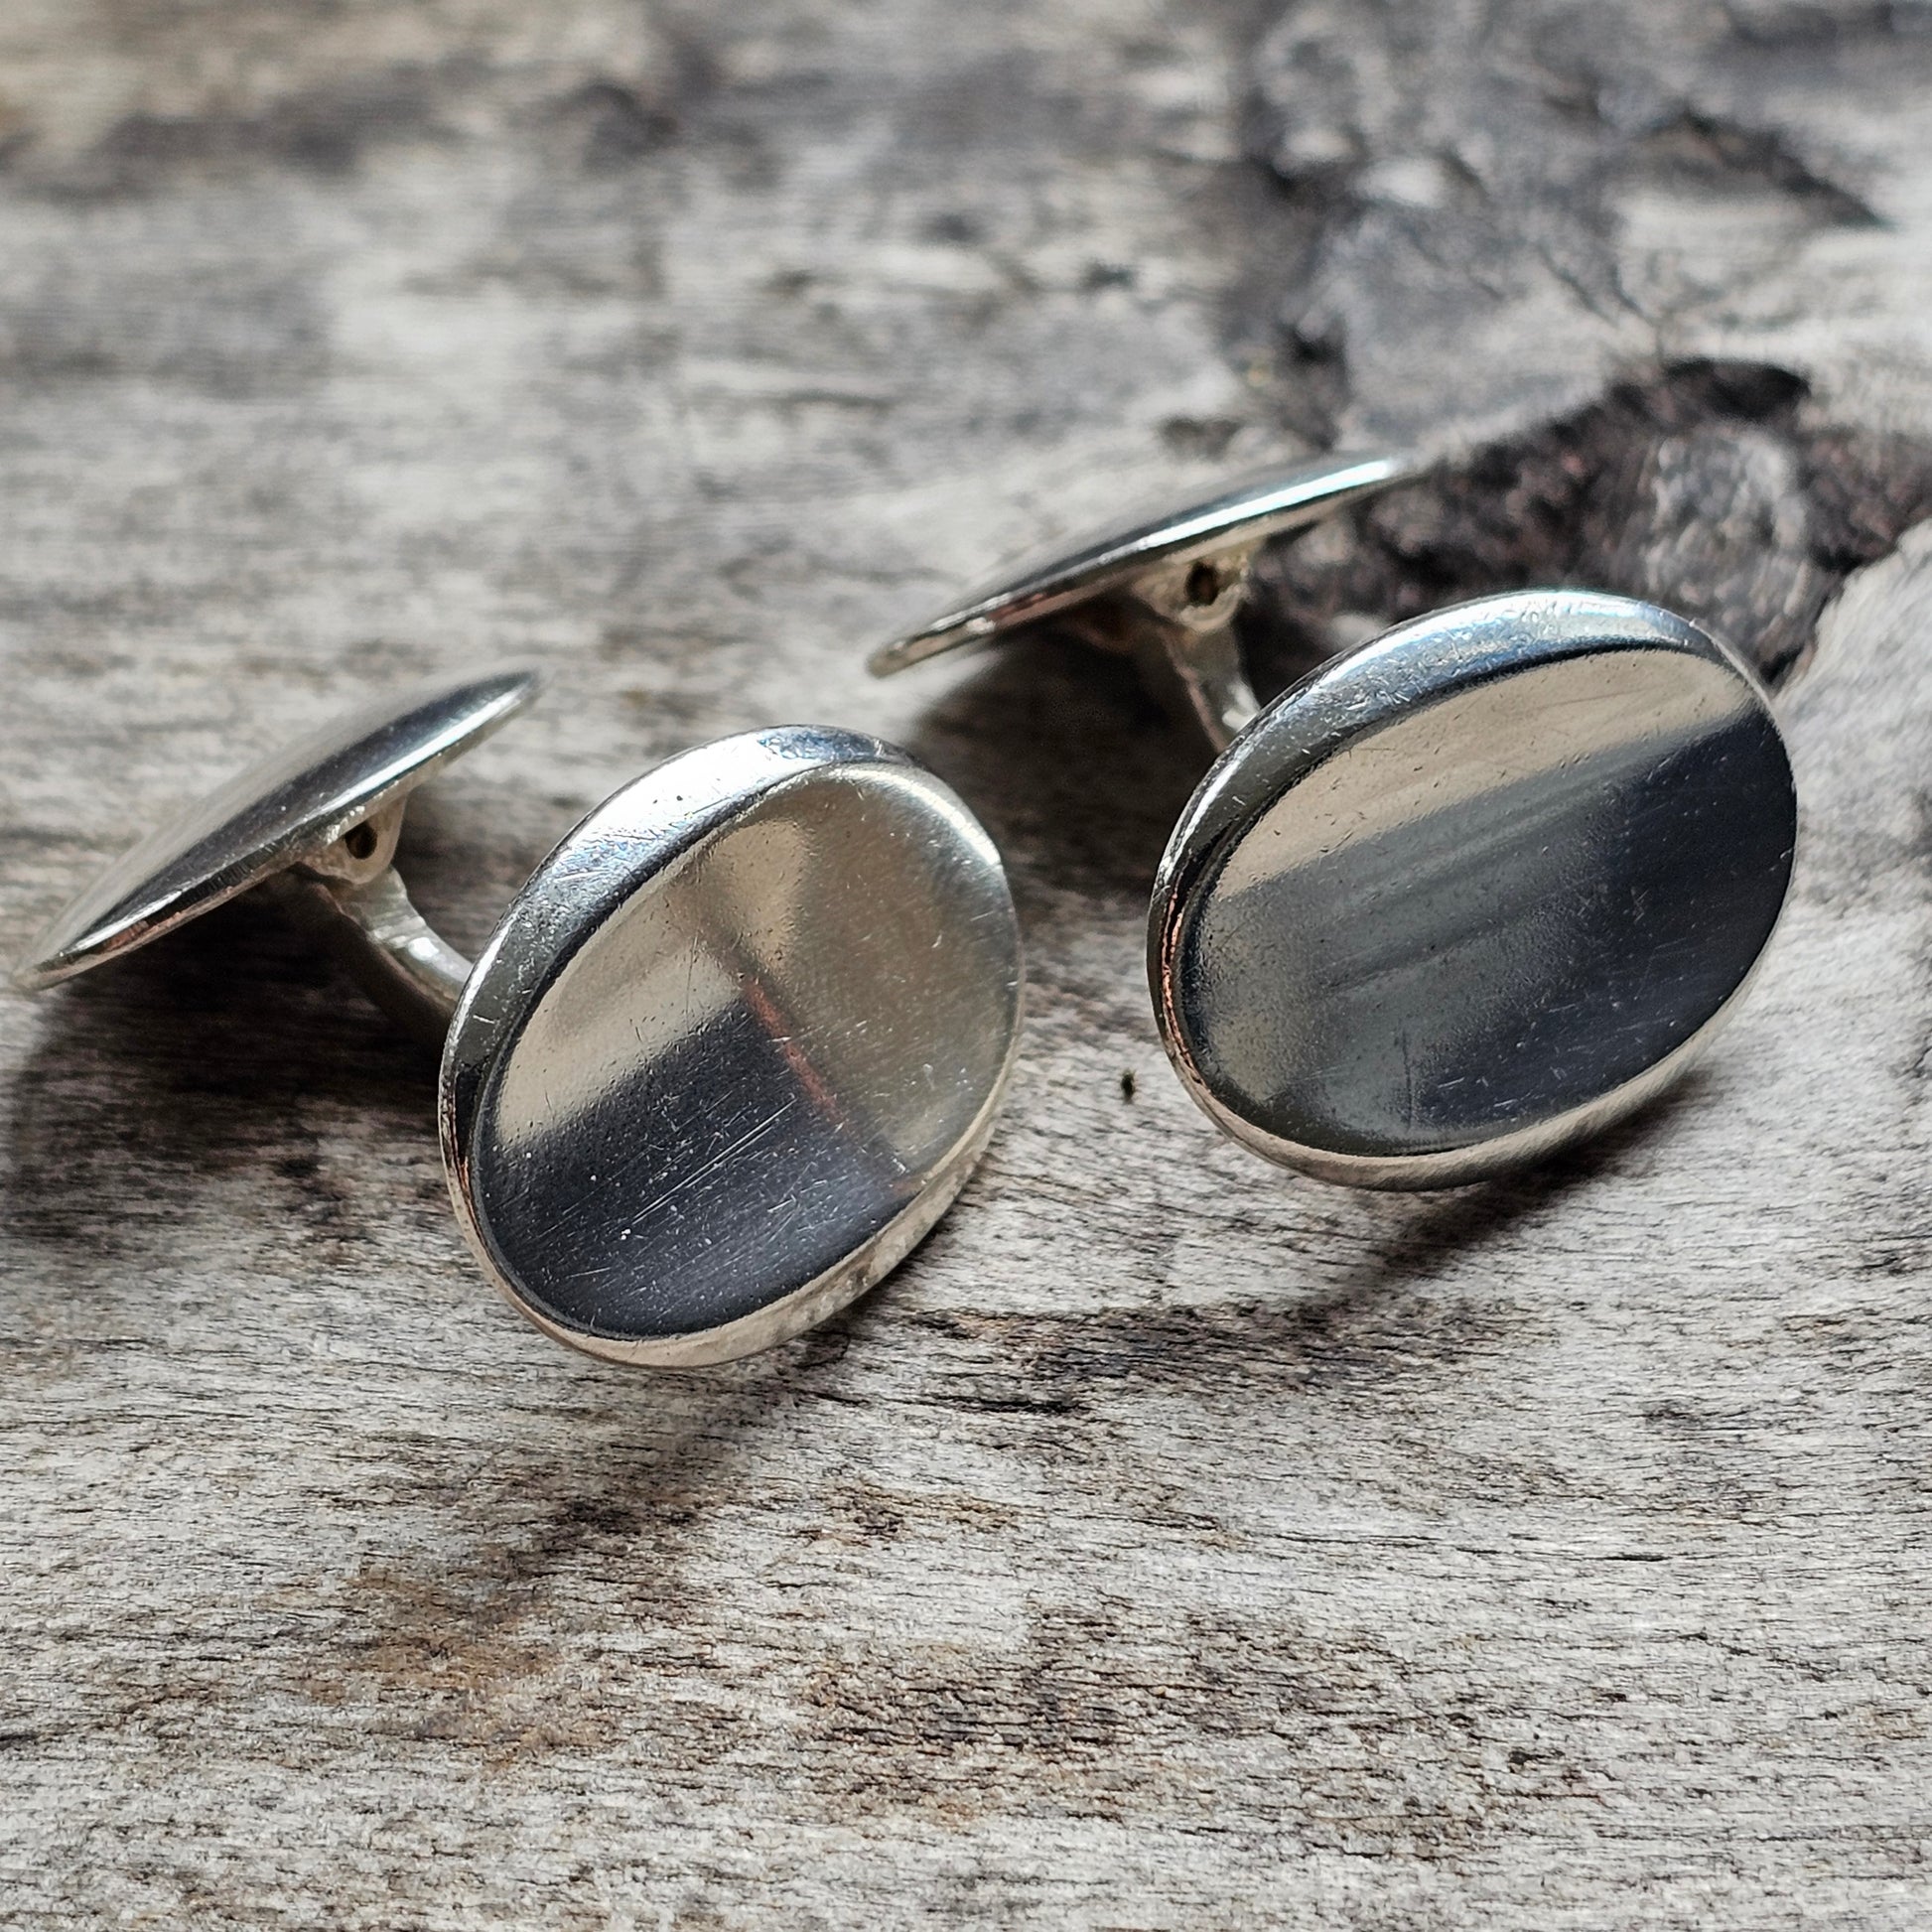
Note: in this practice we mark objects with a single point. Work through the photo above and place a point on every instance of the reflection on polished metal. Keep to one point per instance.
(1164, 589)
(1474, 891)
(729, 1055)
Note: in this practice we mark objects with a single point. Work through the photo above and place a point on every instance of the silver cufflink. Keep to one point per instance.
(1462, 896)
(728, 1053)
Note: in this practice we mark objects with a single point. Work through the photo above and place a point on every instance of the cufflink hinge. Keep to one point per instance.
(1177, 624)
(350, 899)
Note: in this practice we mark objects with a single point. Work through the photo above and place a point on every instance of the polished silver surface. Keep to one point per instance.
(1474, 891)
(329, 803)
(734, 1047)
(1164, 588)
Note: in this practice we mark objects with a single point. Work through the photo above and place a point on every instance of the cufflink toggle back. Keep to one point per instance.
(1467, 893)
(728, 1056)
(1165, 591)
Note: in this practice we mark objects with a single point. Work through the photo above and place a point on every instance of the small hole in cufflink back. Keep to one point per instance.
(360, 841)
(1205, 583)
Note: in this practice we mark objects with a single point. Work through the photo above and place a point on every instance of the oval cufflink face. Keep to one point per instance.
(277, 811)
(1473, 892)
(1243, 513)
(734, 1048)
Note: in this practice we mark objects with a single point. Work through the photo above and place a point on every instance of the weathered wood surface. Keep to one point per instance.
(1173, 1542)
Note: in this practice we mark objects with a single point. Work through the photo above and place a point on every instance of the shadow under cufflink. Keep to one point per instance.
(222, 1052)
(1077, 772)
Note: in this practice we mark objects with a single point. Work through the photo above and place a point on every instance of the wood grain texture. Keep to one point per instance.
(1173, 1542)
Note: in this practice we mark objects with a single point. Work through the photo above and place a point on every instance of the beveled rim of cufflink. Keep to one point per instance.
(1474, 891)
(796, 952)
(332, 798)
